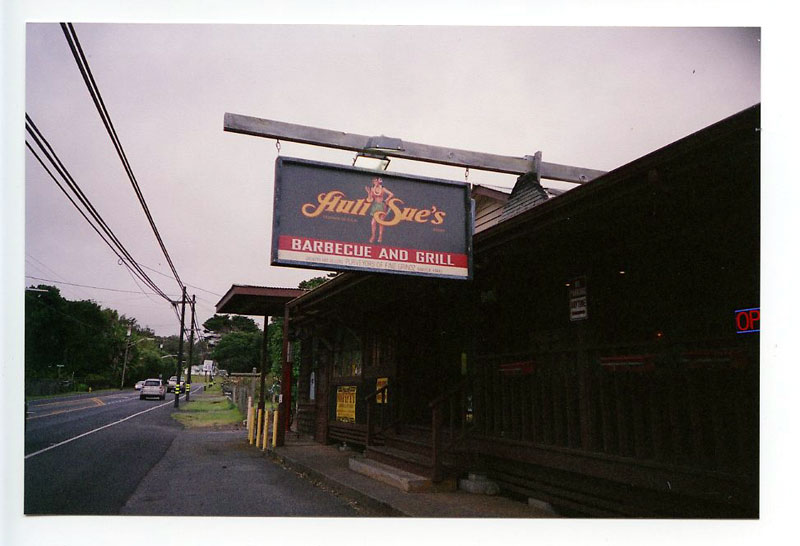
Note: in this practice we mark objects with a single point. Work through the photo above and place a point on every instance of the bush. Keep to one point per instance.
(97, 381)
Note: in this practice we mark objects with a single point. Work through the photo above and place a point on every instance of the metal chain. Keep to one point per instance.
(278, 146)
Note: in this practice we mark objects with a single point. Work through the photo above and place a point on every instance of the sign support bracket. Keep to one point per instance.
(265, 128)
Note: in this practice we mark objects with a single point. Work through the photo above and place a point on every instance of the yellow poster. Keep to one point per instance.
(382, 398)
(346, 404)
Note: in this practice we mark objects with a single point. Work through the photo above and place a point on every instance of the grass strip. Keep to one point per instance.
(212, 412)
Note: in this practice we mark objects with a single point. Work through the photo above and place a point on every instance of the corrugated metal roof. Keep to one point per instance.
(243, 299)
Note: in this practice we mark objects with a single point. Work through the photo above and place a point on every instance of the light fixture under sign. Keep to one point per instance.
(375, 162)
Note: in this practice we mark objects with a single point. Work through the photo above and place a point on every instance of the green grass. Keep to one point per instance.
(208, 412)
(215, 388)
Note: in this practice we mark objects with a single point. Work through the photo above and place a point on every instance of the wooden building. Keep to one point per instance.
(594, 362)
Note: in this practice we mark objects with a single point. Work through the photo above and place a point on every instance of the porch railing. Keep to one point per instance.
(385, 421)
(453, 402)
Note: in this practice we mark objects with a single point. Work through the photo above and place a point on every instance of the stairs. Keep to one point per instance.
(405, 460)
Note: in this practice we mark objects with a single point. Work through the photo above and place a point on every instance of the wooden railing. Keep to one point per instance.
(455, 401)
(386, 422)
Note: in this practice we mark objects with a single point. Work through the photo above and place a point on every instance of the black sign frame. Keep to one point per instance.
(450, 258)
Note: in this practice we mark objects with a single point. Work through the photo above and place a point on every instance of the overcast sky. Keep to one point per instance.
(590, 97)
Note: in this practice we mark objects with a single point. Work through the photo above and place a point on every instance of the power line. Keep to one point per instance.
(83, 285)
(41, 266)
(94, 92)
(187, 284)
(117, 247)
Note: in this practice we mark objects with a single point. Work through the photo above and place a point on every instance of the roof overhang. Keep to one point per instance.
(263, 301)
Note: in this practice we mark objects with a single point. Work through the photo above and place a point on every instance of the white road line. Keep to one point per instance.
(97, 429)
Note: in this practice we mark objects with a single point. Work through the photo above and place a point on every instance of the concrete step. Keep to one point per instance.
(409, 461)
(396, 477)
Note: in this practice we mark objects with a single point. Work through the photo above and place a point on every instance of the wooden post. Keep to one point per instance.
(286, 382)
(369, 421)
(264, 359)
(289, 132)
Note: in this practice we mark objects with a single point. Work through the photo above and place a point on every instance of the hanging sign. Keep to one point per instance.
(345, 218)
(346, 404)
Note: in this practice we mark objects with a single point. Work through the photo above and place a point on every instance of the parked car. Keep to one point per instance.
(153, 387)
(138, 385)
(174, 381)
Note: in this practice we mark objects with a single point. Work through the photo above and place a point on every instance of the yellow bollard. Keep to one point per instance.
(274, 427)
(266, 430)
(258, 428)
(250, 425)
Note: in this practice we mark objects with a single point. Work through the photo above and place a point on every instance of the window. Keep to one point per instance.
(383, 354)
(347, 354)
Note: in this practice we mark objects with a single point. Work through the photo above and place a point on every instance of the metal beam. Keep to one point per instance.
(266, 128)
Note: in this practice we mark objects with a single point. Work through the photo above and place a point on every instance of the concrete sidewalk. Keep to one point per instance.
(216, 472)
(208, 472)
(328, 465)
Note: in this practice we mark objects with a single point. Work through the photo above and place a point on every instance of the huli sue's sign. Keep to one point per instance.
(344, 218)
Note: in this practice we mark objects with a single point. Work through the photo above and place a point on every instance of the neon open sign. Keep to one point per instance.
(748, 321)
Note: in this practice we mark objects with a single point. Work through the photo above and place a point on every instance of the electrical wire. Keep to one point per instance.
(94, 92)
(118, 248)
(187, 284)
(83, 285)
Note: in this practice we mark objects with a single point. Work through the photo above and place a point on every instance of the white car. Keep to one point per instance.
(174, 381)
(138, 385)
(152, 388)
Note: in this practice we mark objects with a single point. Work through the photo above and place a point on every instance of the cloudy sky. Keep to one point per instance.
(590, 97)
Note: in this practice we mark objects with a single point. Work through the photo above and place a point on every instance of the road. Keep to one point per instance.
(115, 454)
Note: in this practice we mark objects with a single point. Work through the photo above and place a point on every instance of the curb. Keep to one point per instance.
(384, 509)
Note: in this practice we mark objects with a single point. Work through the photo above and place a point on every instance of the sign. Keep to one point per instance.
(345, 218)
(748, 321)
(578, 305)
(382, 398)
(312, 387)
(346, 404)
(208, 366)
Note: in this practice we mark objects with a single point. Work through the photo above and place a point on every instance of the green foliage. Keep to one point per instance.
(314, 282)
(81, 342)
(238, 351)
(64, 337)
(224, 324)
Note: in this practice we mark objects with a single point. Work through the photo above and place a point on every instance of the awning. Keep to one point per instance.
(256, 300)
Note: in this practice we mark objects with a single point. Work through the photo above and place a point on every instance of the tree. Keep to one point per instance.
(238, 351)
(314, 282)
(225, 324)
(71, 338)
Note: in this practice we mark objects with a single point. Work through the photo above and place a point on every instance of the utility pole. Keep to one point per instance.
(125, 360)
(191, 351)
(180, 349)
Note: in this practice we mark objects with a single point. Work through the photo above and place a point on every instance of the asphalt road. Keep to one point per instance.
(113, 454)
(98, 468)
